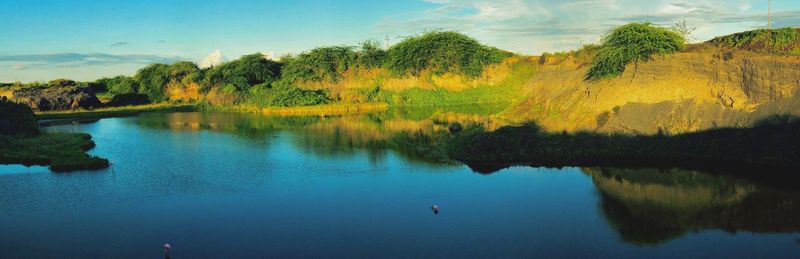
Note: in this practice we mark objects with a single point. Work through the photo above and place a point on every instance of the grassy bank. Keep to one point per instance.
(769, 147)
(315, 110)
(115, 111)
(61, 152)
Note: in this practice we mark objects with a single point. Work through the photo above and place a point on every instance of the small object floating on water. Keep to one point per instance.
(435, 209)
(167, 247)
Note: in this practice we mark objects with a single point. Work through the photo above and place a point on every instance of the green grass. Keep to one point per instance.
(632, 43)
(778, 41)
(507, 91)
(116, 111)
(60, 151)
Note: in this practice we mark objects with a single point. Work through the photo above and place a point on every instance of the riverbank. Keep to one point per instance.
(315, 110)
(115, 111)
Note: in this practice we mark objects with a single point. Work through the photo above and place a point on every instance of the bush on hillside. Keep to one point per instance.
(328, 64)
(241, 74)
(17, 118)
(319, 64)
(779, 41)
(632, 43)
(371, 55)
(442, 52)
(152, 80)
(285, 95)
(119, 85)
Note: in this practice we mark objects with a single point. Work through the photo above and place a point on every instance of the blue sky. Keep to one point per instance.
(86, 40)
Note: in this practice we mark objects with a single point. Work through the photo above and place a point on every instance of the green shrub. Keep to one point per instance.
(371, 55)
(320, 64)
(119, 85)
(285, 95)
(17, 118)
(779, 41)
(442, 52)
(629, 44)
(239, 75)
(152, 79)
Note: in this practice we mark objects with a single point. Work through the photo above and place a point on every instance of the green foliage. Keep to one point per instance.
(284, 95)
(371, 55)
(779, 41)
(632, 43)
(61, 151)
(119, 85)
(17, 118)
(61, 83)
(241, 74)
(320, 64)
(185, 72)
(152, 79)
(442, 52)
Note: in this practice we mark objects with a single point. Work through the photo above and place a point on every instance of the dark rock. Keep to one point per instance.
(57, 98)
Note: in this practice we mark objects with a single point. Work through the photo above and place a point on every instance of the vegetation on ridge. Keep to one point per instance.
(778, 41)
(632, 43)
(441, 52)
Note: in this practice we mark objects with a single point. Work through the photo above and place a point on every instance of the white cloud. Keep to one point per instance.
(535, 26)
(213, 59)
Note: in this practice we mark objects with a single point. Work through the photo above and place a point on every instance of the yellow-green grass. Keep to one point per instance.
(315, 110)
(115, 111)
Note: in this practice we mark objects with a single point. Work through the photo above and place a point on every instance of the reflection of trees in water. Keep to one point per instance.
(652, 206)
(245, 125)
(416, 140)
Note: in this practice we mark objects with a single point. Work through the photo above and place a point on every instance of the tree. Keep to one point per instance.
(241, 74)
(120, 85)
(152, 79)
(684, 30)
(371, 55)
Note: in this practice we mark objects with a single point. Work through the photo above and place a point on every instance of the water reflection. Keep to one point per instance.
(653, 206)
(417, 140)
(644, 206)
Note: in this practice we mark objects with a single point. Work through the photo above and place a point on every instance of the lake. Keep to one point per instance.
(223, 185)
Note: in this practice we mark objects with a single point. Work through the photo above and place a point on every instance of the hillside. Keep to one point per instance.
(702, 87)
(623, 85)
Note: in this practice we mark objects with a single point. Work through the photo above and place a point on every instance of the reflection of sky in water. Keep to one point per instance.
(251, 186)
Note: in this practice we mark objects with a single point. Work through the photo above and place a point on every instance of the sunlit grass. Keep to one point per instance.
(115, 111)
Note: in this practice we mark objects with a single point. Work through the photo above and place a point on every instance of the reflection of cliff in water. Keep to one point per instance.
(652, 206)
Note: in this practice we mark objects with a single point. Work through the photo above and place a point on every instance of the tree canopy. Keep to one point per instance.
(441, 52)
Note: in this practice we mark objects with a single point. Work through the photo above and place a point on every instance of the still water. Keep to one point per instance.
(219, 185)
